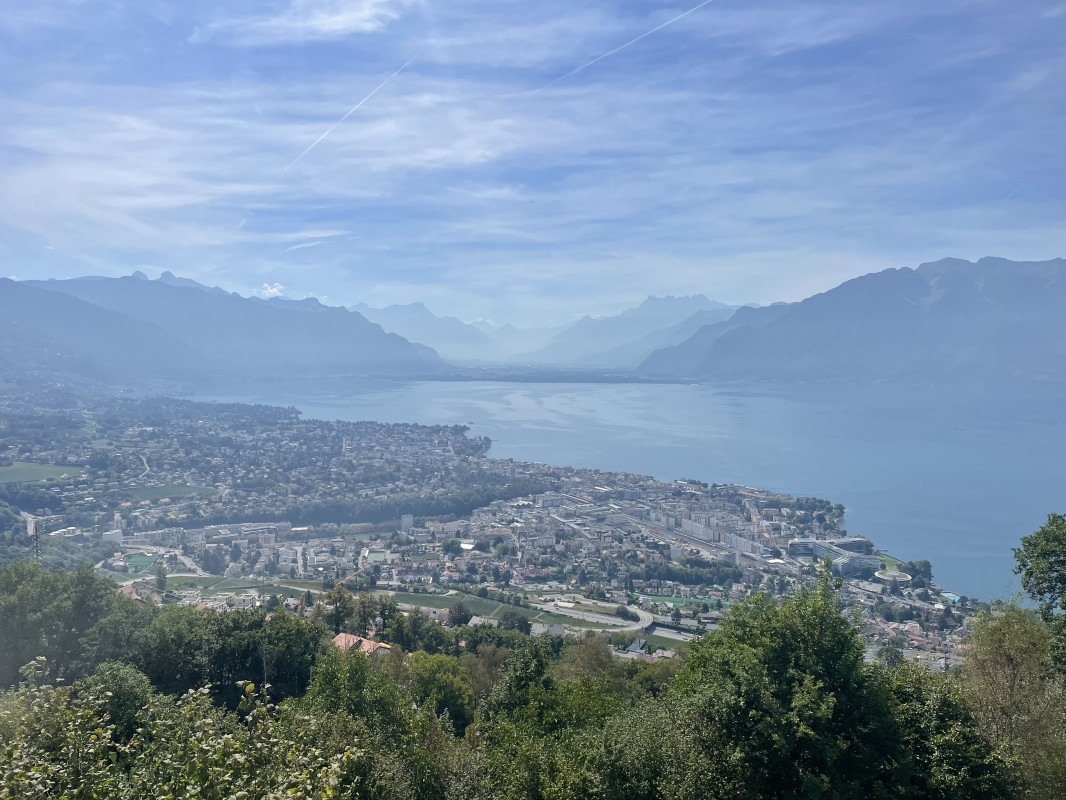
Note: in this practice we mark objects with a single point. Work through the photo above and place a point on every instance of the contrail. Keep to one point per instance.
(588, 64)
(351, 111)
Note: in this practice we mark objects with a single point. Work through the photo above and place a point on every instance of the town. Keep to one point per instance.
(233, 506)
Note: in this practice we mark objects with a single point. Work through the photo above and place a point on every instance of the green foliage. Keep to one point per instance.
(126, 692)
(459, 614)
(64, 746)
(777, 704)
(943, 754)
(49, 613)
(340, 607)
(1019, 699)
(780, 705)
(440, 684)
(1042, 565)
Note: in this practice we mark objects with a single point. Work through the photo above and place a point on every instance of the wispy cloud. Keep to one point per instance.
(350, 111)
(740, 147)
(307, 21)
(303, 246)
(632, 41)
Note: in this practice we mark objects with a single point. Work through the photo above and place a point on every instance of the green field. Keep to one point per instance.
(141, 562)
(189, 582)
(173, 492)
(486, 607)
(213, 584)
(24, 472)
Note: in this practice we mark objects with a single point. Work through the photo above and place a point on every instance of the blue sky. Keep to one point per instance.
(753, 151)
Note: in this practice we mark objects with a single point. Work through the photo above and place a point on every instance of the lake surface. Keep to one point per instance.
(956, 476)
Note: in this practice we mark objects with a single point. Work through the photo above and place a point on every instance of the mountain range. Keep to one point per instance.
(452, 338)
(949, 320)
(172, 327)
(620, 340)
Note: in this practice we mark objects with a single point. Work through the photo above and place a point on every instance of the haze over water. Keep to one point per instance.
(957, 476)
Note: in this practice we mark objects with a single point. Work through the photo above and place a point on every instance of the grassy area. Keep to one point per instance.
(890, 561)
(487, 607)
(190, 582)
(24, 472)
(140, 562)
(214, 584)
(550, 618)
(176, 490)
(593, 608)
(314, 586)
(479, 605)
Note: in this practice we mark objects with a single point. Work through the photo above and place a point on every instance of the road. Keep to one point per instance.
(193, 566)
(608, 621)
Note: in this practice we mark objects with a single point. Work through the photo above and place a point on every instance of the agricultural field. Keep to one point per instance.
(173, 491)
(24, 472)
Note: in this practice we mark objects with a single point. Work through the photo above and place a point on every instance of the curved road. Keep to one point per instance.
(606, 620)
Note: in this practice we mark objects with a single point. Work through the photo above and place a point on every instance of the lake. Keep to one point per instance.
(956, 475)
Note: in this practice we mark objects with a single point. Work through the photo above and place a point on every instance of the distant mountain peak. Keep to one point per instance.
(170, 279)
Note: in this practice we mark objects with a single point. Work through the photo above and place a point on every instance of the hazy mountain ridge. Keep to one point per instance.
(631, 353)
(589, 340)
(55, 333)
(451, 337)
(251, 336)
(946, 320)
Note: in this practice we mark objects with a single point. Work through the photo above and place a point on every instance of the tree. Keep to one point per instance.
(485, 666)
(439, 683)
(341, 607)
(943, 754)
(50, 613)
(513, 621)
(127, 692)
(1042, 565)
(1018, 698)
(675, 615)
(367, 610)
(160, 576)
(779, 704)
(890, 656)
(459, 614)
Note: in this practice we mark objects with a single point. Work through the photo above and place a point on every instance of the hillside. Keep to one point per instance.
(250, 336)
(950, 320)
(590, 339)
(55, 334)
(449, 336)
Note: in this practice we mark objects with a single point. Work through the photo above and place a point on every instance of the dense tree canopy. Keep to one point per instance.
(778, 704)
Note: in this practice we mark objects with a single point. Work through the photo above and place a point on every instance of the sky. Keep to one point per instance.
(528, 162)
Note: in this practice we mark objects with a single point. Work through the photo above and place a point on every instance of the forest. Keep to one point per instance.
(111, 697)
